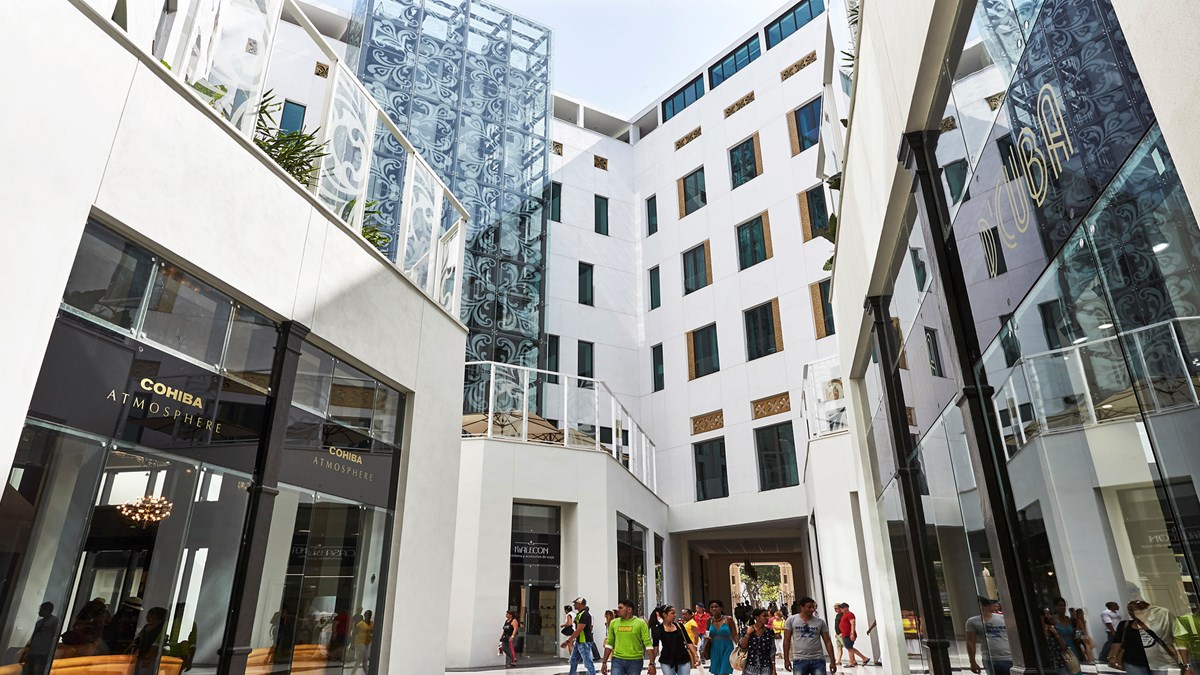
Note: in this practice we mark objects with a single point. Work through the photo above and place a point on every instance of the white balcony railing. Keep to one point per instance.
(226, 51)
(824, 397)
(523, 404)
(1149, 370)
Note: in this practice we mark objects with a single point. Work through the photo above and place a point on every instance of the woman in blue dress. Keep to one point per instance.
(721, 632)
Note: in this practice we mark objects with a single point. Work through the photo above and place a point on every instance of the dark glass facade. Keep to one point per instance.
(1051, 446)
(136, 473)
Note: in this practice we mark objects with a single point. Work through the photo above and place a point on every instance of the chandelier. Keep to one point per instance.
(146, 510)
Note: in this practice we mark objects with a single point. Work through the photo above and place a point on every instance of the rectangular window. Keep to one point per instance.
(585, 284)
(1008, 155)
(696, 274)
(956, 179)
(556, 202)
(651, 215)
(552, 358)
(712, 479)
(920, 273)
(743, 161)
(681, 99)
(691, 192)
(935, 353)
(762, 323)
(702, 351)
(585, 363)
(822, 310)
(776, 447)
(601, 215)
(292, 117)
(754, 244)
(804, 125)
(793, 20)
(814, 216)
(734, 61)
(657, 368)
(655, 289)
(993, 252)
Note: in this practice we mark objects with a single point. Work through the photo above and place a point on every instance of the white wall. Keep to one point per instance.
(155, 163)
(589, 486)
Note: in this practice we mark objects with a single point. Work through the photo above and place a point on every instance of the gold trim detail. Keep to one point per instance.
(556, 148)
(758, 166)
(708, 262)
(805, 220)
(688, 138)
(771, 405)
(766, 220)
(814, 291)
(322, 70)
(708, 422)
(901, 358)
(808, 59)
(679, 185)
(600, 162)
(995, 100)
(793, 133)
(910, 414)
(948, 124)
(778, 325)
(691, 347)
(739, 104)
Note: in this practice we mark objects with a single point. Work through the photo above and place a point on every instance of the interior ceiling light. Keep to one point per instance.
(1104, 326)
(146, 511)
(1158, 248)
(1079, 340)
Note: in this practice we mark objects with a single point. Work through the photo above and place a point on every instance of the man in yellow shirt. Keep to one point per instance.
(689, 623)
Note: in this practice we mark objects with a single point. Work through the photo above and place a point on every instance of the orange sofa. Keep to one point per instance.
(120, 664)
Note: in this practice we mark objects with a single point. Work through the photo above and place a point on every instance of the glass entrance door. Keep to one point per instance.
(540, 615)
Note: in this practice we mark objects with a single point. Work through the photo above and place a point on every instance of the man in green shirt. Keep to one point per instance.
(1187, 640)
(628, 638)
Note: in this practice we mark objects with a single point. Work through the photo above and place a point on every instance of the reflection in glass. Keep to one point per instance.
(250, 354)
(109, 277)
(187, 315)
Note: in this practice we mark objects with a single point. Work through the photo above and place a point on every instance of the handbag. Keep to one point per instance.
(1072, 662)
(567, 631)
(738, 658)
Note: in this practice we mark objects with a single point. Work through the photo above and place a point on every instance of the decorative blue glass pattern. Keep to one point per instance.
(734, 61)
(469, 84)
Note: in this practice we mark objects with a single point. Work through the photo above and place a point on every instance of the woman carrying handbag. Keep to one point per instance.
(755, 654)
(1132, 642)
(676, 653)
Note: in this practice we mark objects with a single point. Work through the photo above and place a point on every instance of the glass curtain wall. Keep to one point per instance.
(130, 485)
(1081, 257)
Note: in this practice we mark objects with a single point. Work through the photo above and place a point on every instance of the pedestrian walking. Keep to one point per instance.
(759, 642)
(849, 629)
(580, 641)
(627, 641)
(507, 633)
(676, 649)
(806, 641)
(702, 618)
(722, 631)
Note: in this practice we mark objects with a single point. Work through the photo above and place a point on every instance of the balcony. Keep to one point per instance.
(1151, 370)
(824, 397)
(228, 52)
(527, 405)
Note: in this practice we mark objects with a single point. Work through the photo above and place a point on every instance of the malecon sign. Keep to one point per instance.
(535, 549)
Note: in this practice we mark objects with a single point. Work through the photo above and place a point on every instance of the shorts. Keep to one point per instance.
(847, 642)
(838, 640)
(808, 666)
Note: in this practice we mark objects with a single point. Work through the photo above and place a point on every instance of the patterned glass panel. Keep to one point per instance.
(350, 128)
(422, 210)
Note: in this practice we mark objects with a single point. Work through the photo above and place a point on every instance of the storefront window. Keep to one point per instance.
(631, 562)
(131, 483)
(535, 561)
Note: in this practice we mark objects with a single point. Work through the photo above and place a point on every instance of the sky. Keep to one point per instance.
(622, 55)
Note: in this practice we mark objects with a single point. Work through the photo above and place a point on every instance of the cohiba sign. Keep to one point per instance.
(182, 409)
(344, 461)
